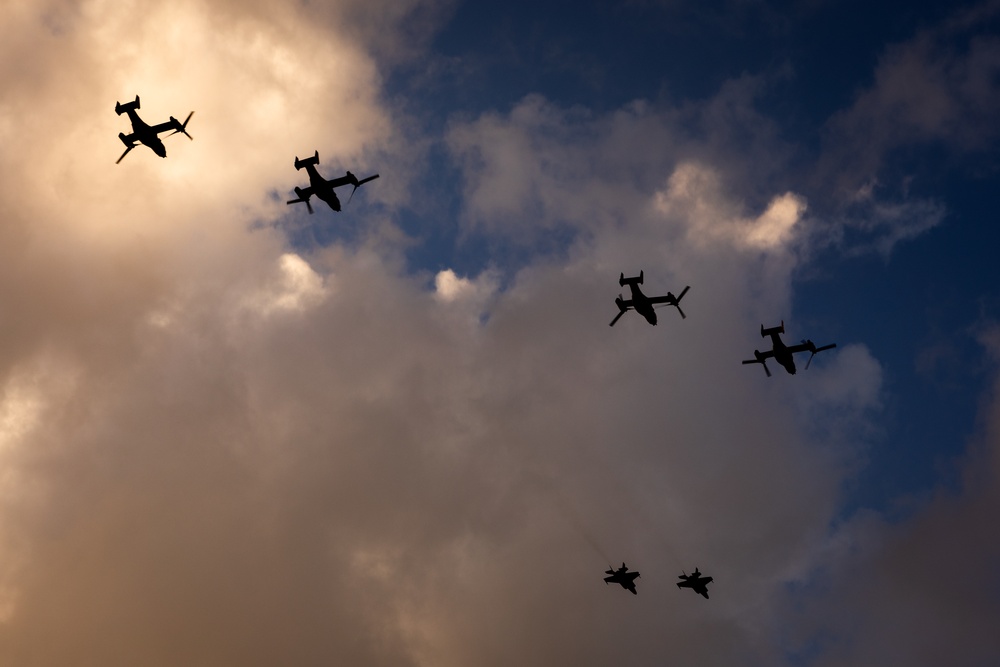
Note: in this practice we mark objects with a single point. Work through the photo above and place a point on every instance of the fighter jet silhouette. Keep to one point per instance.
(622, 576)
(695, 582)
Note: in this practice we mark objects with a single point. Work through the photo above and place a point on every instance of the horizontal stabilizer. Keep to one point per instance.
(314, 160)
(128, 106)
(636, 280)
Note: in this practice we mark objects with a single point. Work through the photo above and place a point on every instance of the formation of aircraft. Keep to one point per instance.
(642, 304)
(323, 188)
(624, 577)
(783, 353)
(695, 581)
(149, 135)
(146, 134)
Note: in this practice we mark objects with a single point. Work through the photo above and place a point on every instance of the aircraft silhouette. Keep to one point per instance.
(147, 134)
(323, 188)
(695, 582)
(624, 577)
(643, 304)
(783, 353)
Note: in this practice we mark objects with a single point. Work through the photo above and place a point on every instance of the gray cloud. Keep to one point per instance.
(939, 88)
(922, 590)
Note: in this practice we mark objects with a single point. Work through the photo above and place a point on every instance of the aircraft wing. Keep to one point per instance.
(670, 298)
(338, 182)
(801, 347)
(305, 193)
(163, 127)
(763, 356)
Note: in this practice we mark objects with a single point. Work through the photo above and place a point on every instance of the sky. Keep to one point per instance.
(403, 434)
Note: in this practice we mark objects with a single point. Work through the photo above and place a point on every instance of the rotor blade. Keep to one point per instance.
(683, 292)
(301, 201)
(758, 361)
(183, 128)
(818, 350)
(124, 154)
(683, 316)
(359, 184)
(617, 317)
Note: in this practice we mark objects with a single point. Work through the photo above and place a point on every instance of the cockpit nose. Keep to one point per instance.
(160, 150)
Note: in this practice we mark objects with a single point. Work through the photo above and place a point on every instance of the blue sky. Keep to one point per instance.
(918, 308)
(232, 432)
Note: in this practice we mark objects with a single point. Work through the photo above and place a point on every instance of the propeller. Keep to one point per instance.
(622, 309)
(301, 199)
(359, 184)
(127, 149)
(817, 350)
(677, 301)
(181, 127)
(758, 361)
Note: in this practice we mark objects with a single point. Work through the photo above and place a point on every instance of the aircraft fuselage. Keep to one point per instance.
(322, 188)
(641, 304)
(782, 355)
(144, 134)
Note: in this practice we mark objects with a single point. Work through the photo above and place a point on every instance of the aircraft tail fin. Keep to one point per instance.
(636, 280)
(770, 331)
(314, 160)
(128, 106)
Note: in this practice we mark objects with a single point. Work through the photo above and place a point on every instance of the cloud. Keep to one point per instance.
(695, 190)
(216, 449)
(920, 590)
(541, 167)
(937, 88)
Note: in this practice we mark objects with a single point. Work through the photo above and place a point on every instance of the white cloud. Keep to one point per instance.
(695, 193)
(296, 288)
